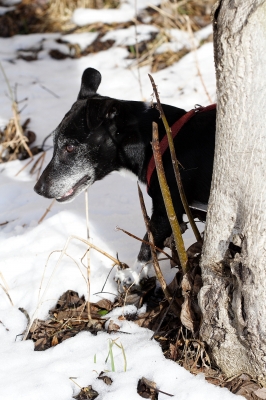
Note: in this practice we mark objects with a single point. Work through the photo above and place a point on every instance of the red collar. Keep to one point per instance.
(175, 128)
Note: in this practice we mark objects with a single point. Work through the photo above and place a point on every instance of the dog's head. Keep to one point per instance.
(86, 142)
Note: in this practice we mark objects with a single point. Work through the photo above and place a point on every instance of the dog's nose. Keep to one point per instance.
(40, 187)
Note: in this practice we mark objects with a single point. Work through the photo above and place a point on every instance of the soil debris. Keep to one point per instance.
(67, 319)
(106, 379)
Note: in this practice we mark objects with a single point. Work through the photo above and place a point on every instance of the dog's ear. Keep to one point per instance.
(102, 109)
(90, 82)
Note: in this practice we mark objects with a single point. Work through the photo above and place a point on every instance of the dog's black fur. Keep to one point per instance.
(101, 134)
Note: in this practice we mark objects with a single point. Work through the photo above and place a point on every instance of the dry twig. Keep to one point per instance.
(46, 212)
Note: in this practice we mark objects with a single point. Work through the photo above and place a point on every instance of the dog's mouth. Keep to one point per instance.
(73, 191)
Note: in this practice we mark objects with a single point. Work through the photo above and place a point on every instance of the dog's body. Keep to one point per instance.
(100, 135)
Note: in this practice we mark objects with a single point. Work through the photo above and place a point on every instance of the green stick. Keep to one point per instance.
(175, 164)
(167, 199)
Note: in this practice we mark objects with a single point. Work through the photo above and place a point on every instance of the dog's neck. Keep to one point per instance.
(137, 150)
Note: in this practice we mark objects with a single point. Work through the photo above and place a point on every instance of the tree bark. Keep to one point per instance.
(233, 297)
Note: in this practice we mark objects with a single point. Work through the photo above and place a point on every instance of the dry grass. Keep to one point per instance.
(171, 13)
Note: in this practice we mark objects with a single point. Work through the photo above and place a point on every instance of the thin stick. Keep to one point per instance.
(137, 49)
(47, 211)
(5, 288)
(153, 251)
(175, 163)
(168, 200)
(88, 253)
(32, 170)
(19, 129)
(196, 58)
(25, 166)
(107, 277)
(43, 274)
(39, 171)
(146, 242)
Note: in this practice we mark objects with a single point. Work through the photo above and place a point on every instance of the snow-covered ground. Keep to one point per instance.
(50, 87)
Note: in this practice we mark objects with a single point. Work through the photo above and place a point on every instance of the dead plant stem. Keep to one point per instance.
(24, 166)
(46, 212)
(19, 131)
(42, 161)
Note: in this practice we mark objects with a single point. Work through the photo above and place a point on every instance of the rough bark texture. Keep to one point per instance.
(233, 298)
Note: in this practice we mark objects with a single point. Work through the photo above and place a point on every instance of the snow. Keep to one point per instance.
(82, 39)
(50, 87)
(4, 10)
(126, 12)
(10, 2)
(127, 37)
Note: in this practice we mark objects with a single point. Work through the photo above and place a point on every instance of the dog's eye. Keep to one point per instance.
(70, 148)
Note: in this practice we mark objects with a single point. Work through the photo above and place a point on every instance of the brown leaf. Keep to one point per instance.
(187, 315)
(105, 304)
(42, 344)
(54, 341)
(107, 380)
(147, 389)
(173, 352)
(113, 326)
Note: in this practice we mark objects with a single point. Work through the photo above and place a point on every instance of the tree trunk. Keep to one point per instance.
(233, 297)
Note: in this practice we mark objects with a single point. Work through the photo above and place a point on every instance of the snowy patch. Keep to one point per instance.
(127, 37)
(83, 39)
(126, 12)
(4, 10)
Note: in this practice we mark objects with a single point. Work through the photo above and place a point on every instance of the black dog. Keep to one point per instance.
(100, 135)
